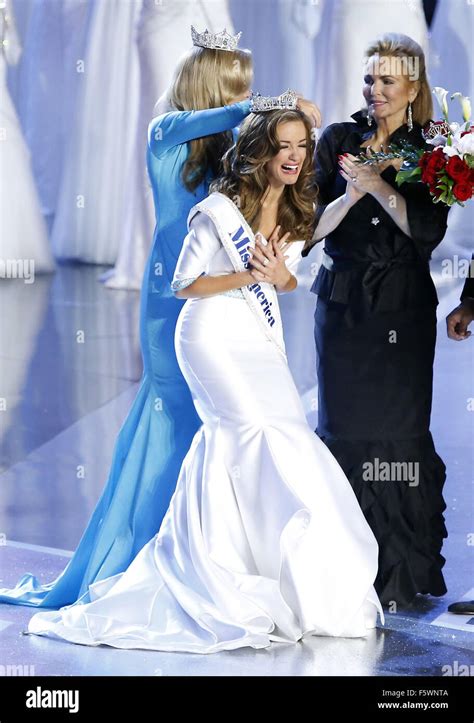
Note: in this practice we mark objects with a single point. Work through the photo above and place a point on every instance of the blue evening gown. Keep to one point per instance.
(161, 424)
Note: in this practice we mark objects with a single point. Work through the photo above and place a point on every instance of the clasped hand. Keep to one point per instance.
(362, 179)
(268, 263)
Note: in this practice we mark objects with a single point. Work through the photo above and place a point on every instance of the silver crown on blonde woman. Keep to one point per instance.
(215, 41)
(262, 103)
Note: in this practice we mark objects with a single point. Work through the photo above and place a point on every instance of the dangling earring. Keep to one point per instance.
(369, 119)
(410, 117)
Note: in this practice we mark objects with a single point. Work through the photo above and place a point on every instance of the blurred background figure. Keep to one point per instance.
(88, 223)
(45, 87)
(160, 42)
(451, 67)
(23, 238)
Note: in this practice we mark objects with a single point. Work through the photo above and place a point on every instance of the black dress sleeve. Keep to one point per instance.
(468, 290)
(325, 163)
(326, 167)
(427, 220)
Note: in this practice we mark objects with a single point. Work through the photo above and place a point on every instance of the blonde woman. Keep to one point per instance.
(375, 322)
(263, 541)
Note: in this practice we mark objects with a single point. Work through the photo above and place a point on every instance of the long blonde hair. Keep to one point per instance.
(204, 79)
(245, 179)
(402, 46)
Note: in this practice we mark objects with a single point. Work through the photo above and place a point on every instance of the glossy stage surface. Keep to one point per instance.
(70, 364)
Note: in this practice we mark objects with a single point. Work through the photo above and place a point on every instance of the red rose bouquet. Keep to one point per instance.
(448, 168)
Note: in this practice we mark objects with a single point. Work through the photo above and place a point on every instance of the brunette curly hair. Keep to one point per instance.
(245, 181)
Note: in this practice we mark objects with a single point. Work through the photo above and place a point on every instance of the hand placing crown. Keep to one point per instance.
(215, 41)
(261, 103)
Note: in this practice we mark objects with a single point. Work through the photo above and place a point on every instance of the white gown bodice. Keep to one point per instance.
(203, 252)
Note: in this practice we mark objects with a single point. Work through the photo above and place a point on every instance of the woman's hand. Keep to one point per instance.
(360, 179)
(367, 179)
(310, 110)
(268, 262)
(395, 162)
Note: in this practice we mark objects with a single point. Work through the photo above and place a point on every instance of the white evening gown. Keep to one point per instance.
(264, 540)
(46, 86)
(284, 57)
(23, 234)
(100, 144)
(451, 67)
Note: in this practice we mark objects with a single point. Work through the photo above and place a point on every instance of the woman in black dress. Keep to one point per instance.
(375, 322)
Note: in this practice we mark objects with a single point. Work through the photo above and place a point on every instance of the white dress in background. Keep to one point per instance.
(347, 28)
(163, 35)
(46, 86)
(451, 67)
(297, 315)
(95, 183)
(23, 234)
(284, 56)
(264, 540)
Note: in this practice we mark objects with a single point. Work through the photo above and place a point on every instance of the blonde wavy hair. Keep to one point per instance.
(402, 46)
(245, 180)
(205, 79)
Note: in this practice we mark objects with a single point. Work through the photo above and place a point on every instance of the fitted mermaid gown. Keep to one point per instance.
(264, 540)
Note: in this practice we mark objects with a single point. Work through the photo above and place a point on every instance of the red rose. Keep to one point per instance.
(423, 160)
(429, 177)
(457, 169)
(462, 191)
(436, 161)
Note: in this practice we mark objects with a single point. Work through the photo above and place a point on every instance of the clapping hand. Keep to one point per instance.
(360, 179)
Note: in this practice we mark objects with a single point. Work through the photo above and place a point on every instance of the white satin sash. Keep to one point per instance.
(236, 237)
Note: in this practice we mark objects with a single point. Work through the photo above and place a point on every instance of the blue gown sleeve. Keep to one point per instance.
(199, 247)
(177, 127)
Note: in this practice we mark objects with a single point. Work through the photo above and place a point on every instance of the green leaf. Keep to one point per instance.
(469, 160)
(409, 175)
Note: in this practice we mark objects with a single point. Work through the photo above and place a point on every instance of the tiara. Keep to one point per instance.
(215, 41)
(261, 103)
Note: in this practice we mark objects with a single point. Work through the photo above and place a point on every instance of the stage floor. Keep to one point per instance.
(70, 364)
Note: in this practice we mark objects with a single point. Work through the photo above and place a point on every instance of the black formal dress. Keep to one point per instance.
(468, 288)
(375, 332)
